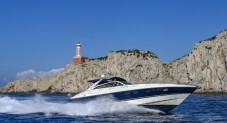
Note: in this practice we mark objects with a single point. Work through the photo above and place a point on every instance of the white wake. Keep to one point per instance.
(39, 104)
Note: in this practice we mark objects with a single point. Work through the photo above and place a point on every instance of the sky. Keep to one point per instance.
(38, 37)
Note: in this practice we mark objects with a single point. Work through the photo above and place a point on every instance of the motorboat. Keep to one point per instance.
(162, 97)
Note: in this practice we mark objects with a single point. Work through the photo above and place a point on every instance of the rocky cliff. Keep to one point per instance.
(205, 66)
(134, 65)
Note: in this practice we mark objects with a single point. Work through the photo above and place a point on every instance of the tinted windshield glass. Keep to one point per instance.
(125, 82)
(106, 85)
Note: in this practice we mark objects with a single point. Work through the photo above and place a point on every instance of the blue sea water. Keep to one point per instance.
(56, 108)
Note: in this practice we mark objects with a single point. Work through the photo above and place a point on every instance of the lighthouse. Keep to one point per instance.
(78, 46)
(79, 58)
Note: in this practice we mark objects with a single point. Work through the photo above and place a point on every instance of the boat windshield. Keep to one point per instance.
(109, 84)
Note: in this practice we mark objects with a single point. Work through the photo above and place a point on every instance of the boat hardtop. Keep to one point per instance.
(108, 82)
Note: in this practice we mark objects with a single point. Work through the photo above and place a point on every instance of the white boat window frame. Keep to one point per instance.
(96, 86)
(123, 83)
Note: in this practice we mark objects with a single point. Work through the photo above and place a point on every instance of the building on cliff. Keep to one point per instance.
(78, 58)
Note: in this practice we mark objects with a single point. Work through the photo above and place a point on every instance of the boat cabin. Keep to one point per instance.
(108, 82)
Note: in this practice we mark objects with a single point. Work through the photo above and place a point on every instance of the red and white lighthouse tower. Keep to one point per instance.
(78, 46)
(78, 58)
